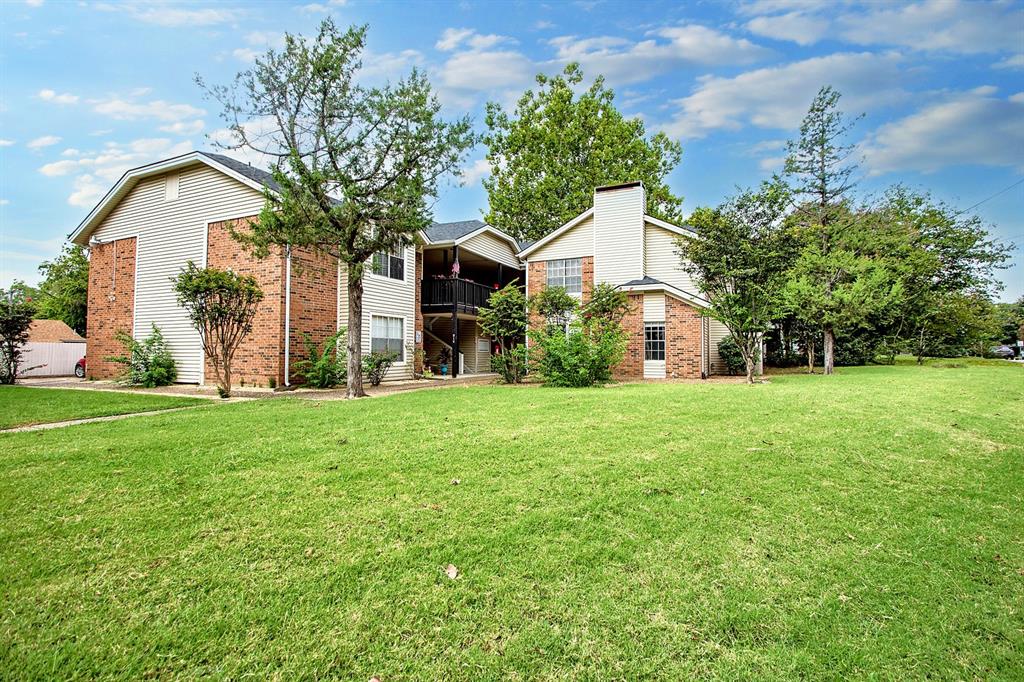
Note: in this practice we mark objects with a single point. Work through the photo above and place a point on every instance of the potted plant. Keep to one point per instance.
(446, 356)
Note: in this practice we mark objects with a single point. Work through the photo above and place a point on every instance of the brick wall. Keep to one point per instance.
(111, 300)
(314, 309)
(538, 279)
(632, 365)
(682, 340)
(260, 356)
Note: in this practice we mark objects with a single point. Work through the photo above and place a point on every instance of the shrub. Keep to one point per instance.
(582, 357)
(731, 356)
(148, 362)
(555, 305)
(377, 364)
(16, 312)
(511, 363)
(324, 366)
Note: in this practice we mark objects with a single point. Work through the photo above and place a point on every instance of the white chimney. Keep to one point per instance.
(619, 233)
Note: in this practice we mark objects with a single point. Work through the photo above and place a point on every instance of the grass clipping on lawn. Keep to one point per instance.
(866, 524)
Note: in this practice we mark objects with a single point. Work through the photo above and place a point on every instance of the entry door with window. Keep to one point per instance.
(654, 350)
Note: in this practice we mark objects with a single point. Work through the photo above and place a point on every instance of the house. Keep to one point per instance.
(53, 348)
(617, 243)
(422, 301)
(52, 331)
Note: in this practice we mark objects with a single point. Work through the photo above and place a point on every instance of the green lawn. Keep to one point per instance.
(23, 405)
(869, 524)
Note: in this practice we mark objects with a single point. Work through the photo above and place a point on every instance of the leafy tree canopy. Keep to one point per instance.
(558, 145)
(64, 292)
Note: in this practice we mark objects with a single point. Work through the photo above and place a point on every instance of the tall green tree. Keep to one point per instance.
(946, 263)
(64, 291)
(560, 143)
(505, 321)
(357, 167)
(835, 284)
(740, 262)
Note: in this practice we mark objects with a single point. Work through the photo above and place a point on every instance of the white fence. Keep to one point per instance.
(57, 359)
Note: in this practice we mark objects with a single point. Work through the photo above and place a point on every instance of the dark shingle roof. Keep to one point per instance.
(645, 281)
(256, 174)
(448, 232)
(525, 245)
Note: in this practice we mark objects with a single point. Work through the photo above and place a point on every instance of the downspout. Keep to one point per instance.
(287, 313)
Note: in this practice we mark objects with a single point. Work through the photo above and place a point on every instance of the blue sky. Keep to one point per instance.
(90, 89)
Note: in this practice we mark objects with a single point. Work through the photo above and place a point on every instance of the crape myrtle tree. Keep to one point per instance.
(835, 281)
(356, 166)
(561, 142)
(221, 305)
(64, 291)
(740, 262)
(16, 312)
(505, 320)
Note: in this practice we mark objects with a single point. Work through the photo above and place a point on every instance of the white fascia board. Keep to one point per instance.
(684, 296)
(493, 230)
(557, 233)
(682, 231)
(131, 177)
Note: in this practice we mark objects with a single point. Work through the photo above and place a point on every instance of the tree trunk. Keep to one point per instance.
(809, 350)
(225, 391)
(920, 348)
(748, 360)
(355, 333)
(830, 349)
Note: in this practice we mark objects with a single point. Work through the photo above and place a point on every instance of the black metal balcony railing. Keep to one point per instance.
(441, 295)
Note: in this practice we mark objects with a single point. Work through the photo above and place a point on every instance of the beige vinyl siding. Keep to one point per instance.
(490, 246)
(716, 332)
(618, 235)
(576, 243)
(171, 233)
(390, 298)
(662, 262)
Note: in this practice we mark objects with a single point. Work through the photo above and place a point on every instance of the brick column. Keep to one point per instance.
(682, 340)
(111, 304)
(632, 365)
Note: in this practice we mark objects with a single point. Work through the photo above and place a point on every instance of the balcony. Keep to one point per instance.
(450, 294)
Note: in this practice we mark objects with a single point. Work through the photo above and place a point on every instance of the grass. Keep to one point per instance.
(22, 405)
(863, 525)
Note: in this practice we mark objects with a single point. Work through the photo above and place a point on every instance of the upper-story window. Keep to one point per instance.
(567, 273)
(390, 264)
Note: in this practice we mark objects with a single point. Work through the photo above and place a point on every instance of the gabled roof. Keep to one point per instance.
(554, 235)
(247, 175)
(451, 234)
(52, 331)
(650, 284)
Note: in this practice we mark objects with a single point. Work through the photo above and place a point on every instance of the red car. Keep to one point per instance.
(80, 369)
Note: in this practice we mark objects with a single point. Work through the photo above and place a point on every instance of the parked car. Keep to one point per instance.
(80, 368)
(1005, 352)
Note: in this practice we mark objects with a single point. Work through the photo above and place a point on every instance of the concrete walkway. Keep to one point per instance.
(90, 420)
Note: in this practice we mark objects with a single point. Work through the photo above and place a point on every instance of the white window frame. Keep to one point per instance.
(401, 338)
(560, 271)
(648, 349)
(388, 258)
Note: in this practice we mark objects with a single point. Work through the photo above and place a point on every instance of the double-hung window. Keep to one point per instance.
(654, 341)
(390, 263)
(567, 273)
(387, 334)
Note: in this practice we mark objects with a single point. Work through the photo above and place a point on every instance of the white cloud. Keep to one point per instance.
(34, 3)
(477, 171)
(87, 191)
(453, 38)
(71, 151)
(778, 96)
(52, 96)
(184, 127)
(6, 143)
(1014, 62)
(5, 202)
(954, 25)
(623, 61)
(543, 25)
(259, 42)
(58, 168)
(44, 141)
(129, 109)
(389, 65)
(800, 28)
(969, 128)
(468, 74)
(315, 8)
(171, 15)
